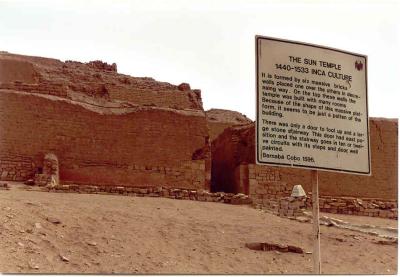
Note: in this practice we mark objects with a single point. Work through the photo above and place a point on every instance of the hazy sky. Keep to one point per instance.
(209, 44)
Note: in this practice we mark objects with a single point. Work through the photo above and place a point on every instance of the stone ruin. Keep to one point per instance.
(83, 127)
(234, 170)
(103, 127)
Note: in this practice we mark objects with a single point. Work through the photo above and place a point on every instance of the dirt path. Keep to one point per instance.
(120, 234)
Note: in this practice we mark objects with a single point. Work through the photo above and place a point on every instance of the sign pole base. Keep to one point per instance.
(316, 233)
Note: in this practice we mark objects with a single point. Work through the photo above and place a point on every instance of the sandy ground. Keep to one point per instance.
(121, 234)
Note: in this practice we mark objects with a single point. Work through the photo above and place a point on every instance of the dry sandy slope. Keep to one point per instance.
(120, 234)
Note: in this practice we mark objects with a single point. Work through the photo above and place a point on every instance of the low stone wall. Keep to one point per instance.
(269, 189)
(173, 193)
(357, 206)
(284, 207)
(16, 169)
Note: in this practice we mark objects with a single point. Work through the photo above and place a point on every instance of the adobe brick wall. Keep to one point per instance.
(16, 70)
(266, 185)
(216, 128)
(126, 146)
(228, 151)
(147, 94)
(218, 120)
(105, 128)
(235, 147)
(383, 183)
(74, 80)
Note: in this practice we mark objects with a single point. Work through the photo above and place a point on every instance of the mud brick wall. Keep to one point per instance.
(150, 94)
(216, 128)
(42, 88)
(229, 151)
(235, 147)
(24, 75)
(16, 70)
(93, 79)
(218, 120)
(141, 146)
(382, 183)
(266, 186)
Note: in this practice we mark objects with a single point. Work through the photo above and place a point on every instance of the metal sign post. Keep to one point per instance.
(316, 234)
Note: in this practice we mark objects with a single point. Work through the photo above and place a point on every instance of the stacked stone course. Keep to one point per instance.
(291, 206)
(172, 193)
(42, 88)
(265, 186)
(16, 169)
(357, 206)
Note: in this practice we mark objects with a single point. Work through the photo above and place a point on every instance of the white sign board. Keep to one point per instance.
(312, 109)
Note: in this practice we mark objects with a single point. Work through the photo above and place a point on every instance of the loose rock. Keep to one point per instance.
(53, 220)
(29, 182)
(92, 243)
(265, 246)
(386, 242)
(303, 219)
(64, 259)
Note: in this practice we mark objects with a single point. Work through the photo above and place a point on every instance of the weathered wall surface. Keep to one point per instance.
(228, 151)
(265, 185)
(143, 147)
(15, 70)
(94, 79)
(148, 93)
(350, 205)
(239, 142)
(105, 128)
(219, 119)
